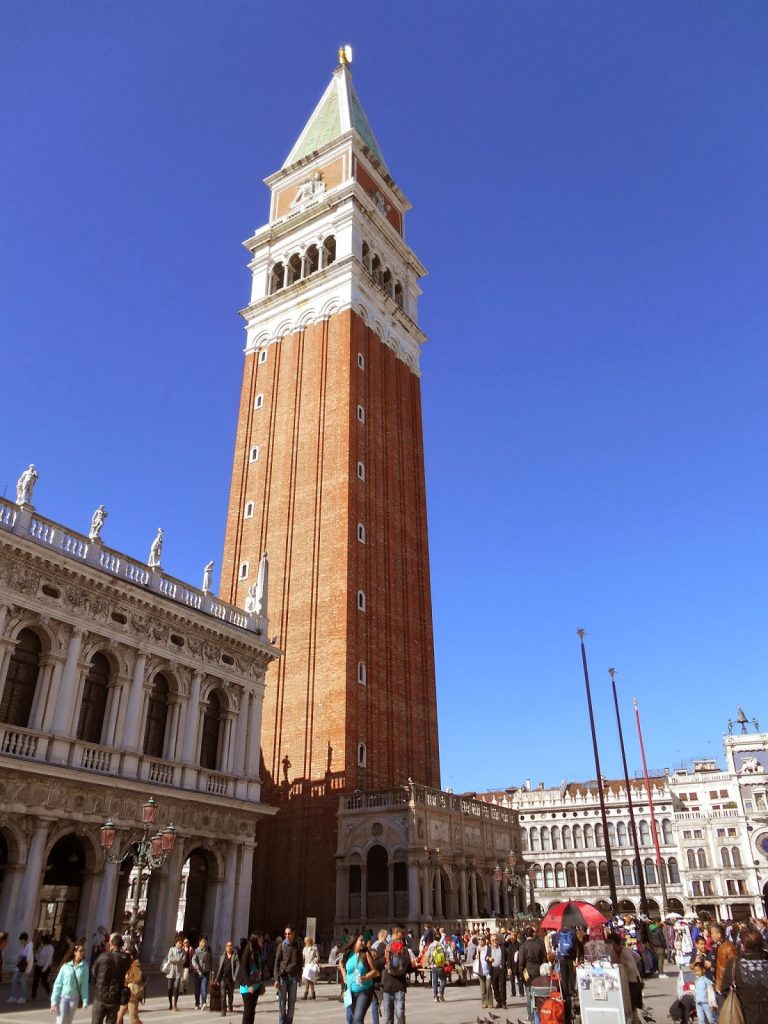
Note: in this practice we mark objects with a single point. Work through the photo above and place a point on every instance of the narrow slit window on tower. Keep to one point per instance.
(263, 356)
(255, 453)
(367, 257)
(361, 533)
(361, 600)
(277, 278)
(362, 756)
(361, 414)
(329, 251)
(243, 570)
(249, 510)
(311, 260)
(399, 294)
(259, 402)
(294, 268)
(360, 471)
(362, 675)
(360, 361)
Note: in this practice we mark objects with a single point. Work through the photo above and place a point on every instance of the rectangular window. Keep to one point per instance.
(360, 361)
(361, 533)
(360, 471)
(263, 356)
(254, 454)
(259, 402)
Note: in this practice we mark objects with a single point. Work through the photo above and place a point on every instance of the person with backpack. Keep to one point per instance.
(108, 975)
(564, 948)
(436, 958)
(397, 965)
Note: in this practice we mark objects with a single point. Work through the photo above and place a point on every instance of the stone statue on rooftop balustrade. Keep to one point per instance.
(207, 575)
(252, 600)
(97, 523)
(25, 485)
(156, 550)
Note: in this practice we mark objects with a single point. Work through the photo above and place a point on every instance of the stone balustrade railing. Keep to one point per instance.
(22, 521)
(427, 797)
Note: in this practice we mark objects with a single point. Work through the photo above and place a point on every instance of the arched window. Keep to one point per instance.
(294, 268)
(538, 880)
(556, 838)
(603, 871)
(611, 833)
(645, 833)
(535, 844)
(650, 872)
(589, 837)
(277, 278)
(367, 256)
(599, 840)
(376, 268)
(93, 705)
(329, 251)
(559, 875)
(691, 857)
(360, 471)
(736, 856)
(570, 876)
(546, 842)
(209, 745)
(21, 680)
(157, 715)
(248, 510)
(243, 573)
(362, 756)
(549, 877)
(361, 533)
(626, 873)
(666, 831)
(255, 453)
(399, 294)
(616, 872)
(592, 873)
(674, 870)
(578, 837)
(362, 675)
(581, 875)
(701, 858)
(386, 282)
(621, 834)
(361, 414)
(361, 601)
(258, 402)
(695, 888)
(311, 260)
(567, 841)
(524, 838)
(725, 857)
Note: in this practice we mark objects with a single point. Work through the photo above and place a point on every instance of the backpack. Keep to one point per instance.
(566, 944)
(379, 955)
(397, 960)
(552, 1010)
(438, 956)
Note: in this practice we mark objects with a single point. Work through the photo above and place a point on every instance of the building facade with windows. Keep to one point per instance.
(328, 477)
(711, 823)
(117, 683)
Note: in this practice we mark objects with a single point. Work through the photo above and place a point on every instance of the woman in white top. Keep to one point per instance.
(311, 970)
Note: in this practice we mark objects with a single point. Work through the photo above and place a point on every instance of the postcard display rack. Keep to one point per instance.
(600, 997)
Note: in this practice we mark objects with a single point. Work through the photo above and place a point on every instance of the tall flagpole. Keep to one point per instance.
(638, 862)
(659, 865)
(606, 842)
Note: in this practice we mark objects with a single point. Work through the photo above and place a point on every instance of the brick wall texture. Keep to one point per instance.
(308, 502)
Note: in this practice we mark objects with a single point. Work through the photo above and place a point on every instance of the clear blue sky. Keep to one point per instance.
(589, 190)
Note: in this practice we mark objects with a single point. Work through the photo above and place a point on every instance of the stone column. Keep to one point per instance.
(52, 698)
(113, 708)
(363, 891)
(192, 722)
(504, 898)
(172, 730)
(414, 909)
(227, 744)
(427, 893)
(105, 898)
(65, 705)
(28, 903)
(391, 890)
(439, 912)
(473, 909)
(254, 736)
(464, 903)
(13, 883)
(223, 926)
(42, 689)
(132, 723)
(238, 761)
(243, 881)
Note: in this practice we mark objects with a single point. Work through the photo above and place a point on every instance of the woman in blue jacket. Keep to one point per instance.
(71, 986)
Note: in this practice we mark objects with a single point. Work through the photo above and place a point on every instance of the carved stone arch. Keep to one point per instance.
(100, 645)
(87, 836)
(15, 841)
(329, 309)
(214, 856)
(26, 619)
(362, 311)
(378, 329)
(178, 685)
(306, 319)
(286, 327)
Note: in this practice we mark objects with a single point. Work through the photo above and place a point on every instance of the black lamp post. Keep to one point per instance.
(148, 853)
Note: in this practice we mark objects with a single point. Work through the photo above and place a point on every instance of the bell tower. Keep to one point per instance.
(328, 478)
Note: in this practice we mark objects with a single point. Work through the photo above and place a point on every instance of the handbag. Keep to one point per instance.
(347, 997)
(732, 1012)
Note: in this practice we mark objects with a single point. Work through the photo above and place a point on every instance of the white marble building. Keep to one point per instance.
(712, 826)
(117, 683)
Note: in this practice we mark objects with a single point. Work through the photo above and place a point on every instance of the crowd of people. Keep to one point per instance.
(376, 970)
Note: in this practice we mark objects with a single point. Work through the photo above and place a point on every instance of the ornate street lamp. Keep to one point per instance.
(148, 853)
(531, 877)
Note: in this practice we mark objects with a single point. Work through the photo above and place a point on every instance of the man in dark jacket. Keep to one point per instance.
(108, 974)
(288, 962)
(229, 964)
(532, 955)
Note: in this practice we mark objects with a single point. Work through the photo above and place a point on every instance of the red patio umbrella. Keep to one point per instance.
(573, 914)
